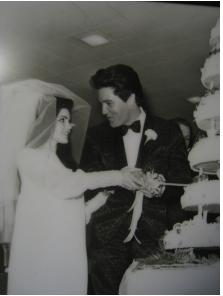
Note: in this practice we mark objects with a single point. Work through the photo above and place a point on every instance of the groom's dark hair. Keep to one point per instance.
(123, 79)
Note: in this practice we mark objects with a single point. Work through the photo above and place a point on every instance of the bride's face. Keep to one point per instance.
(62, 127)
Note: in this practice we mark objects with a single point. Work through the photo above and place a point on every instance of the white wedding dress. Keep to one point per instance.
(48, 252)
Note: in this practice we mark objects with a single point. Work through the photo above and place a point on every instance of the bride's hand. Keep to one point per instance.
(95, 203)
(131, 180)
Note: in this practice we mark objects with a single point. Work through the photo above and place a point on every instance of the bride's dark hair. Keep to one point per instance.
(63, 103)
(64, 150)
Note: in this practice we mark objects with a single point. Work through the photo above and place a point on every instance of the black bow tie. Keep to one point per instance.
(135, 127)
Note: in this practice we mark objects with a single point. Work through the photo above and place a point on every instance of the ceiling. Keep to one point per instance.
(166, 43)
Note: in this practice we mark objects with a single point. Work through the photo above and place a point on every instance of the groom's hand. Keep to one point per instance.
(154, 188)
(131, 180)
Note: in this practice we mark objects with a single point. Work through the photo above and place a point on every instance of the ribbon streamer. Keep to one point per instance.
(137, 211)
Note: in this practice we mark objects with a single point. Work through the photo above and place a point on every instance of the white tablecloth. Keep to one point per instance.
(180, 279)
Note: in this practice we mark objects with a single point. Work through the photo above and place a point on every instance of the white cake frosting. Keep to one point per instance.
(202, 193)
(215, 35)
(205, 154)
(209, 108)
(211, 72)
(194, 233)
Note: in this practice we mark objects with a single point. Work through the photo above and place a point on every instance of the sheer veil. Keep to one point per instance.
(27, 116)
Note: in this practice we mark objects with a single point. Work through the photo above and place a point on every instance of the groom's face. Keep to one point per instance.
(115, 109)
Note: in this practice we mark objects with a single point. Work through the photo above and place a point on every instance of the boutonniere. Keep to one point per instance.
(150, 135)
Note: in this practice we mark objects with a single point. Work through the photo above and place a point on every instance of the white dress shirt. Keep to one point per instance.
(132, 141)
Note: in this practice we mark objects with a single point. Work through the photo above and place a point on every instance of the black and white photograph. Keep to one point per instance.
(109, 148)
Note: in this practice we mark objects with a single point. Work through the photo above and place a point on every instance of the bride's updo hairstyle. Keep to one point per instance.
(63, 104)
(64, 150)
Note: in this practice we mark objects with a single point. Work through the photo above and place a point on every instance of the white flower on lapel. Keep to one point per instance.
(150, 135)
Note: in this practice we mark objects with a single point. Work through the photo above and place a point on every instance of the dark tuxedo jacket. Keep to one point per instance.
(104, 150)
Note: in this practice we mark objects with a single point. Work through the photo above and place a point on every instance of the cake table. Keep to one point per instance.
(177, 279)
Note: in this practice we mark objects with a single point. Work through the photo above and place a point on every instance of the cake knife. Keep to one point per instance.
(173, 184)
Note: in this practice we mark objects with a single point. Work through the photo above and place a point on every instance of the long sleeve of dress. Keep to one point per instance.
(94, 204)
(48, 171)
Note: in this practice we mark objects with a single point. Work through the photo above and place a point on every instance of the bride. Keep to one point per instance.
(48, 252)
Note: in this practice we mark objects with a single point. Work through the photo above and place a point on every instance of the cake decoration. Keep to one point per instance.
(215, 36)
(211, 72)
(203, 197)
(208, 109)
(205, 193)
(206, 155)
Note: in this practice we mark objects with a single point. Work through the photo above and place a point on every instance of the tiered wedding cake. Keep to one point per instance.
(204, 157)
(193, 267)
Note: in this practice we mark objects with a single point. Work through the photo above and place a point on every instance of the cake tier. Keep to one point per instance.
(211, 72)
(178, 279)
(205, 155)
(195, 233)
(215, 35)
(205, 193)
(207, 110)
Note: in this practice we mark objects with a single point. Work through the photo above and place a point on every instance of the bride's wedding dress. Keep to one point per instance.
(48, 251)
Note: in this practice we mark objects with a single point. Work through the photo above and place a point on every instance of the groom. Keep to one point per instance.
(130, 137)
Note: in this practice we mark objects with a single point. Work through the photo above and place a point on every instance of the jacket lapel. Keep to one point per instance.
(143, 148)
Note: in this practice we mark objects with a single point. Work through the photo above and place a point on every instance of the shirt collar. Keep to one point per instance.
(142, 118)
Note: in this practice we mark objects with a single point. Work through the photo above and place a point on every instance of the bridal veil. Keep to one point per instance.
(27, 117)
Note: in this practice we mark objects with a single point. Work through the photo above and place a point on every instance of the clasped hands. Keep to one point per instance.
(150, 183)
